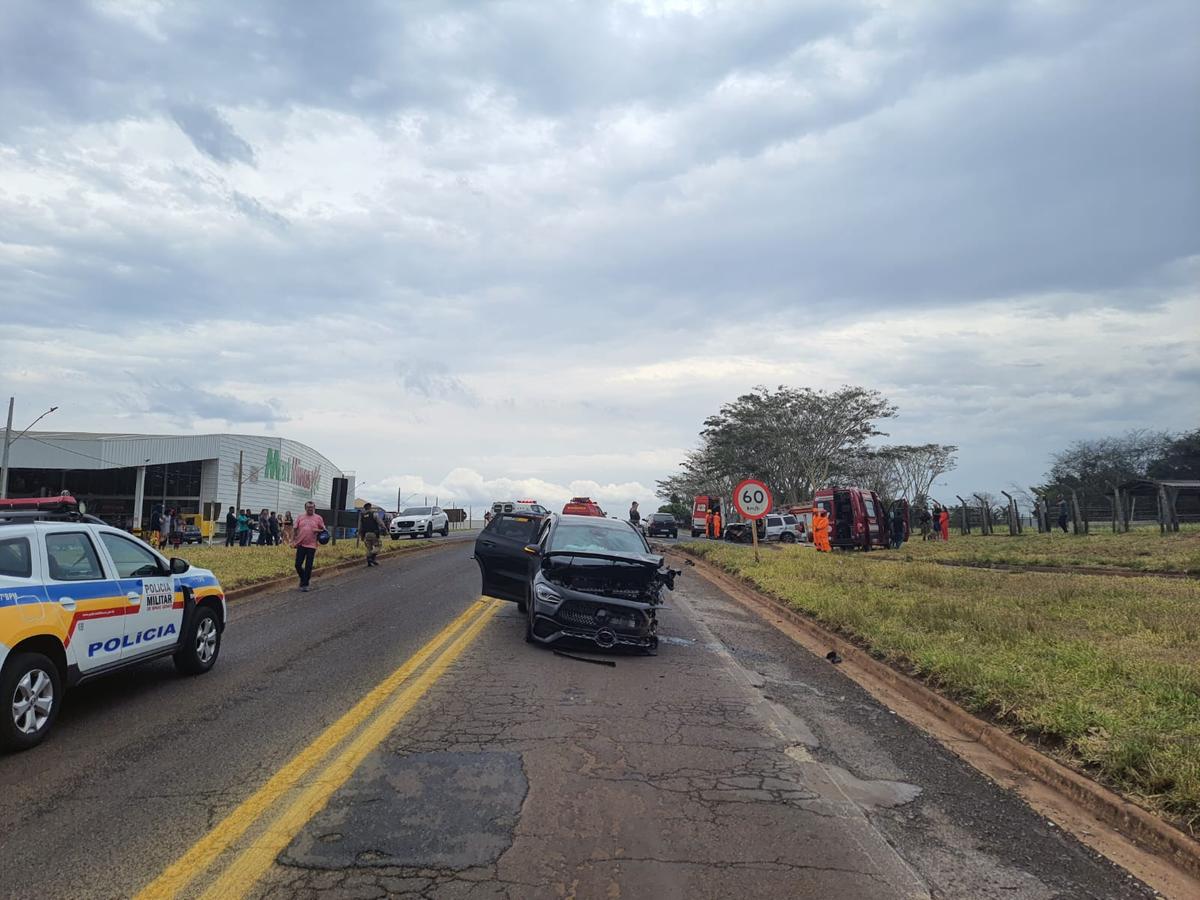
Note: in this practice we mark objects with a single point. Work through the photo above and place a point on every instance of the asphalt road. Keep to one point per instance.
(141, 764)
(732, 764)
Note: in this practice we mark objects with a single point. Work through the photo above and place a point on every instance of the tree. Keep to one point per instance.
(677, 507)
(791, 438)
(1179, 459)
(919, 466)
(1096, 467)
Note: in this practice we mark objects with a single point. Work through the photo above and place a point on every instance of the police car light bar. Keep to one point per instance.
(61, 503)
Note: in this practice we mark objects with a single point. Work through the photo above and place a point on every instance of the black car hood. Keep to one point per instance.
(628, 576)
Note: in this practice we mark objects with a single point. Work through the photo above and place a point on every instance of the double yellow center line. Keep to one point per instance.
(305, 784)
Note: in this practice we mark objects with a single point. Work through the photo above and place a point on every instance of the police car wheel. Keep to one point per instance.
(32, 688)
(201, 645)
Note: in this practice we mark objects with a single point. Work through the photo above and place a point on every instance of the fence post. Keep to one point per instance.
(984, 514)
(964, 527)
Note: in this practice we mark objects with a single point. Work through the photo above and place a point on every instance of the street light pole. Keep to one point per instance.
(9, 440)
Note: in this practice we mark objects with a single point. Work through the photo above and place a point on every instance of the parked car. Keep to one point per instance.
(662, 525)
(857, 517)
(420, 521)
(583, 577)
(191, 534)
(583, 506)
(782, 528)
(62, 572)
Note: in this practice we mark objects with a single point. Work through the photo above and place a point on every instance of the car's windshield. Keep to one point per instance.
(596, 538)
(418, 511)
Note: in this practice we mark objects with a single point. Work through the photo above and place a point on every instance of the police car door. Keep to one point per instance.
(155, 624)
(91, 603)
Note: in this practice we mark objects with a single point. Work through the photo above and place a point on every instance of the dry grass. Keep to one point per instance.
(1104, 669)
(1142, 549)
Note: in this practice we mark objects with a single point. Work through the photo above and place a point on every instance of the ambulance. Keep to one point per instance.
(80, 599)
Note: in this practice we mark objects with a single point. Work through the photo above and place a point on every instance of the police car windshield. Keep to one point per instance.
(418, 511)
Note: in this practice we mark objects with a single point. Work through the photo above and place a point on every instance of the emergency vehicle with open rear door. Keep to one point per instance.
(857, 518)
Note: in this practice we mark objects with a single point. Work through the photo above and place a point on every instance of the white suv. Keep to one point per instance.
(783, 528)
(420, 521)
(79, 599)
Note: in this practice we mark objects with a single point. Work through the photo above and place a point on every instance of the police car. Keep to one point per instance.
(80, 599)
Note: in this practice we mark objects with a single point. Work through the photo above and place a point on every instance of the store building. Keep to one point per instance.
(122, 477)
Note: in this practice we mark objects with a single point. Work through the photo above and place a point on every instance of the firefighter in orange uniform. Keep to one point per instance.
(708, 523)
(717, 522)
(821, 530)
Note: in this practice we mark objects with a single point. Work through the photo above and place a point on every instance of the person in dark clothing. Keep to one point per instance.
(1062, 514)
(230, 527)
(370, 530)
(273, 522)
(925, 520)
(635, 517)
(264, 528)
(897, 527)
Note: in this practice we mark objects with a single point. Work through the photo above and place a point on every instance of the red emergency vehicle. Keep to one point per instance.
(583, 506)
(700, 507)
(857, 517)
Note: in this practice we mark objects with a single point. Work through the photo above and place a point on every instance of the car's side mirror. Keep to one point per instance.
(531, 549)
(179, 566)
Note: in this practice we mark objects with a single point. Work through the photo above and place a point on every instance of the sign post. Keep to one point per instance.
(752, 499)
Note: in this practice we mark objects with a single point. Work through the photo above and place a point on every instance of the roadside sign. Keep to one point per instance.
(752, 499)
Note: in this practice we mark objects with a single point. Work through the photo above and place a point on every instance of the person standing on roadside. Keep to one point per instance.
(230, 527)
(635, 517)
(821, 530)
(243, 528)
(1062, 513)
(274, 523)
(897, 526)
(308, 526)
(264, 527)
(287, 527)
(944, 523)
(370, 533)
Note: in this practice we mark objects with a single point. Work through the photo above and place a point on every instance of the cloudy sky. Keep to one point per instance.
(525, 248)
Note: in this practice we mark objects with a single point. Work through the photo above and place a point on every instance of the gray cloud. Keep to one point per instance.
(184, 403)
(211, 134)
(597, 187)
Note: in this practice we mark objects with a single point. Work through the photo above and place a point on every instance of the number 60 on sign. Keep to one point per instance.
(752, 499)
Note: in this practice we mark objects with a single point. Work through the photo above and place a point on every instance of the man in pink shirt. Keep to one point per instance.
(307, 527)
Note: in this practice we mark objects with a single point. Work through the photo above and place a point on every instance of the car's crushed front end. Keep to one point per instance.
(609, 599)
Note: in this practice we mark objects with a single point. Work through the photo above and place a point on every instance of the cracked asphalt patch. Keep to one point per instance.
(445, 809)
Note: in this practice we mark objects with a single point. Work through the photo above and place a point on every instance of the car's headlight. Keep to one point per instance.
(546, 594)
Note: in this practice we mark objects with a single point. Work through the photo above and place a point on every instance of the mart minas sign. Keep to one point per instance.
(291, 472)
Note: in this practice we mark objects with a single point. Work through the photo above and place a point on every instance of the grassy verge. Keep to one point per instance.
(1103, 670)
(241, 566)
(1142, 549)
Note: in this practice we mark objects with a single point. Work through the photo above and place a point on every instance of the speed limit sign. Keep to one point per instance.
(752, 499)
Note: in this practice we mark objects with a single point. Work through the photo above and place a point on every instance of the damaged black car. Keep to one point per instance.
(576, 577)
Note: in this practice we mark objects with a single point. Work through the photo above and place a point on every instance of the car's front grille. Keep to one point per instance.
(404, 524)
(587, 615)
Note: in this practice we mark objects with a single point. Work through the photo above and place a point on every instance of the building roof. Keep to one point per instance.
(1186, 484)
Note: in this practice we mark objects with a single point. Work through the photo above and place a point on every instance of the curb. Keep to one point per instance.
(262, 587)
(1136, 824)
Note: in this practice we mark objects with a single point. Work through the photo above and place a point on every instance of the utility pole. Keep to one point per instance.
(9, 440)
(4, 462)
(241, 477)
